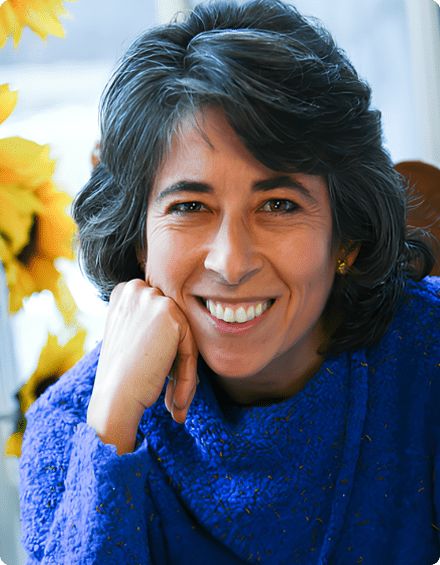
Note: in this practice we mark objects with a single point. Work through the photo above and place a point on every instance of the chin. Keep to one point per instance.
(234, 368)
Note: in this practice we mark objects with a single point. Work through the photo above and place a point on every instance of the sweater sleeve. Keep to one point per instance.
(80, 502)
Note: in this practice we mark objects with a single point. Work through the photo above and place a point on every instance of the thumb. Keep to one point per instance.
(185, 376)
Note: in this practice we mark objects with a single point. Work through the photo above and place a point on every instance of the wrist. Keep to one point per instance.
(115, 423)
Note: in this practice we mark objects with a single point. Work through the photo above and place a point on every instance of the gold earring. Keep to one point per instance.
(342, 266)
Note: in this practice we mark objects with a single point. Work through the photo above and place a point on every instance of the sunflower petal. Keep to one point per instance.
(44, 274)
(13, 445)
(9, 23)
(29, 198)
(18, 210)
(24, 161)
(65, 303)
(8, 100)
(55, 229)
(54, 361)
(40, 15)
(43, 23)
(21, 285)
(6, 255)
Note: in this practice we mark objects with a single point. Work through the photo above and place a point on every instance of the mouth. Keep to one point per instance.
(240, 313)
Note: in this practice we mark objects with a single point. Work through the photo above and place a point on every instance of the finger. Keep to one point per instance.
(116, 292)
(171, 385)
(185, 368)
(185, 384)
(169, 393)
(185, 371)
(179, 415)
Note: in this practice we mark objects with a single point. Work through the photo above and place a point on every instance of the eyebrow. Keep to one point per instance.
(259, 186)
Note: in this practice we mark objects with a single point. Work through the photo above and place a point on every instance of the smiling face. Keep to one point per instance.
(248, 256)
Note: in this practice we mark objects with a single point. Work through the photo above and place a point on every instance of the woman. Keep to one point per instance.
(266, 387)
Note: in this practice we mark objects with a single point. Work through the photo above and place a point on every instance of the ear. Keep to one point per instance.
(347, 256)
(141, 257)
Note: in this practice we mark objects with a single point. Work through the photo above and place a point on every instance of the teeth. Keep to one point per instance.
(240, 316)
(229, 315)
(219, 312)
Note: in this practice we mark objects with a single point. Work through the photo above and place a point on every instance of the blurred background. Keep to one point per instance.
(394, 44)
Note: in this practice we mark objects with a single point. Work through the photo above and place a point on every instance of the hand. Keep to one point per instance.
(147, 337)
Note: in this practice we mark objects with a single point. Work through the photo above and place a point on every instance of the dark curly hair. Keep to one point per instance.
(297, 104)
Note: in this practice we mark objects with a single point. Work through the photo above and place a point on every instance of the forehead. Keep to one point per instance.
(204, 148)
(199, 142)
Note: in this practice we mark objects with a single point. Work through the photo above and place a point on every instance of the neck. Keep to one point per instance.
(284, 377)
(264, 389)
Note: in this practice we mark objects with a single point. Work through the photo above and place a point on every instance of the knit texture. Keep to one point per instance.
(342, 473)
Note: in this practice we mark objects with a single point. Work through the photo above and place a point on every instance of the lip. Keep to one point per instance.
(235, 328)
(247, 300)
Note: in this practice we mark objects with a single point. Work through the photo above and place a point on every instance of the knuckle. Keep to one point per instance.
(116, 292)
(134, 285)
(167, 306)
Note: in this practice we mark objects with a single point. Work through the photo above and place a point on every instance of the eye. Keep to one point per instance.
(186, 207)
(280, 206)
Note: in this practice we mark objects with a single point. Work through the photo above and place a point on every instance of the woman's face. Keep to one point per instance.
(229, 238)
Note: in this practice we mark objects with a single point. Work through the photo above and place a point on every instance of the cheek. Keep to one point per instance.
(308, 257)
(168, 260)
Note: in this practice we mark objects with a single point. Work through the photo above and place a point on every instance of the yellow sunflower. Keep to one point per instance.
(34, 228)
(54, 361)
(40, 15)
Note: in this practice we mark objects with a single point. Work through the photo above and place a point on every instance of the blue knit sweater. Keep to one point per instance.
(345, 472)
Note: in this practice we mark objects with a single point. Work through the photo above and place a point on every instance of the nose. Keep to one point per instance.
(232, 253)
